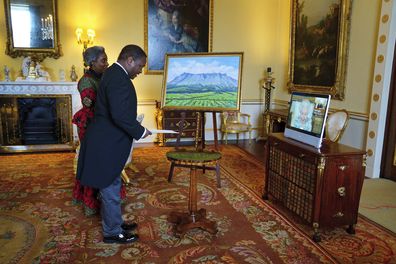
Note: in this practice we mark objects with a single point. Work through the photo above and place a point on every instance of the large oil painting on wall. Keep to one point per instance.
(202, 81)
(319, 46)
(176, 26)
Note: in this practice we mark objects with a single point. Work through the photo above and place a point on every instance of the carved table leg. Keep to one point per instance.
(194, 218)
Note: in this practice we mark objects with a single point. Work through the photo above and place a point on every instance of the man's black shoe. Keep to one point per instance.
(129, 226)
(123, 238)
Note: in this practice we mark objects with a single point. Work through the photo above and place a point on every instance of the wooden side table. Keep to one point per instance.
(320, 186)
(194, 218)
(198, 158)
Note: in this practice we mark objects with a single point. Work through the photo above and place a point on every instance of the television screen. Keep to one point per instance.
(307, 117)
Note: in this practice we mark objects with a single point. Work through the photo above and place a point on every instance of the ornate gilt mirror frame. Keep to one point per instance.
(319, 46)
(40, 52)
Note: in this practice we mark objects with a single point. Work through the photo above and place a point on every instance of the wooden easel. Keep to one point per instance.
(214, 129)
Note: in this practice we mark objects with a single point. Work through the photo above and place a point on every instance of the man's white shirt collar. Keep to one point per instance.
(121, 67)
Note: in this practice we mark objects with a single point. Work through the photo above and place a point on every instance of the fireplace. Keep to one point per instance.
(35, 120)
(37, 116)
(38, 121)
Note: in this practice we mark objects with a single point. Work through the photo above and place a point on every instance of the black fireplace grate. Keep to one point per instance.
(38, 120)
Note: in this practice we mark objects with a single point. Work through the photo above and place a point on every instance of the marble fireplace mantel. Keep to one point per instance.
(32, 88)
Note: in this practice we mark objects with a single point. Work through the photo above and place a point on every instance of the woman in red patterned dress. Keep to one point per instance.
(96, 59)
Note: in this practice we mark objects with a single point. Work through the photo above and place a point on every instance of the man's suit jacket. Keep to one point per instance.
(108, 140)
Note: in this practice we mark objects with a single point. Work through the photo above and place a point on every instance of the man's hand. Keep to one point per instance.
(148, 133)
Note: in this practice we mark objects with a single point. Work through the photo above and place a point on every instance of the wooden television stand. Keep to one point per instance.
(320, 186)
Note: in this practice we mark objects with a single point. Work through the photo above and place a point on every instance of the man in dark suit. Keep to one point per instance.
(108, 140)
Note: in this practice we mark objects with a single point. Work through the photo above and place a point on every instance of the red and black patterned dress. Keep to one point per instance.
(87, 87)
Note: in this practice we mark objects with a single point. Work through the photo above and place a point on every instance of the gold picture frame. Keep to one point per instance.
(319, 38)
(39, 47)
(182, 26)
(202, 81)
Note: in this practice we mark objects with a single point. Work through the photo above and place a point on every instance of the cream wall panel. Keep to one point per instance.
(249, 26)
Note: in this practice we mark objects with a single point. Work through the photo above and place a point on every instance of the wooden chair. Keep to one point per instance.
(196, 158)
(235, 122)
(336, 124)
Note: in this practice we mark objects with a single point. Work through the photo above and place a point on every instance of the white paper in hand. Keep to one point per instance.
(163, 131)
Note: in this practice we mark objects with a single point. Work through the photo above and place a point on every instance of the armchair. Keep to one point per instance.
(336, 124)
(235, 122)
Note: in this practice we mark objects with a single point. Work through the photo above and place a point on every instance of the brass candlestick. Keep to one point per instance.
(268, 81)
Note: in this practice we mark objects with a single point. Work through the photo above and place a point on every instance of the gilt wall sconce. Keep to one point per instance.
(88, 41)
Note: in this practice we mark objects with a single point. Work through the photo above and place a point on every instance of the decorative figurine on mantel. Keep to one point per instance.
(42, 75)
(73, 74)
(7, 74)
(32, 75)
(25, 66)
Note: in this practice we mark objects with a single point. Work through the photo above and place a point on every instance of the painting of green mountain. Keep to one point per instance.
(213, 90)
(203, 82)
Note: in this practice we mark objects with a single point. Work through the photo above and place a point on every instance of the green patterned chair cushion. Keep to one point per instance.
(193, 156)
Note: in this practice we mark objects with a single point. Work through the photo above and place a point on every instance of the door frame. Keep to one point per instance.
(388, 165)
(382, 73)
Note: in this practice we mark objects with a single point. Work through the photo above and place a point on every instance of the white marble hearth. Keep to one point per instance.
(44, 88)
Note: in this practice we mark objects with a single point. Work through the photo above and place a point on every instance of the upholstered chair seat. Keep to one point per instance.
(234, 122)
(336, 124)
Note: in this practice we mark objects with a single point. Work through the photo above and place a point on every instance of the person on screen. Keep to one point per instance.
(303, 119)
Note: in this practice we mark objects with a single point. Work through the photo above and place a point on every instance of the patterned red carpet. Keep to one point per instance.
(38, 223)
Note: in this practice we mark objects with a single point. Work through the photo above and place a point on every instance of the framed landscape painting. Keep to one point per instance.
(319, 46)
(177, 26)
(202, 81)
